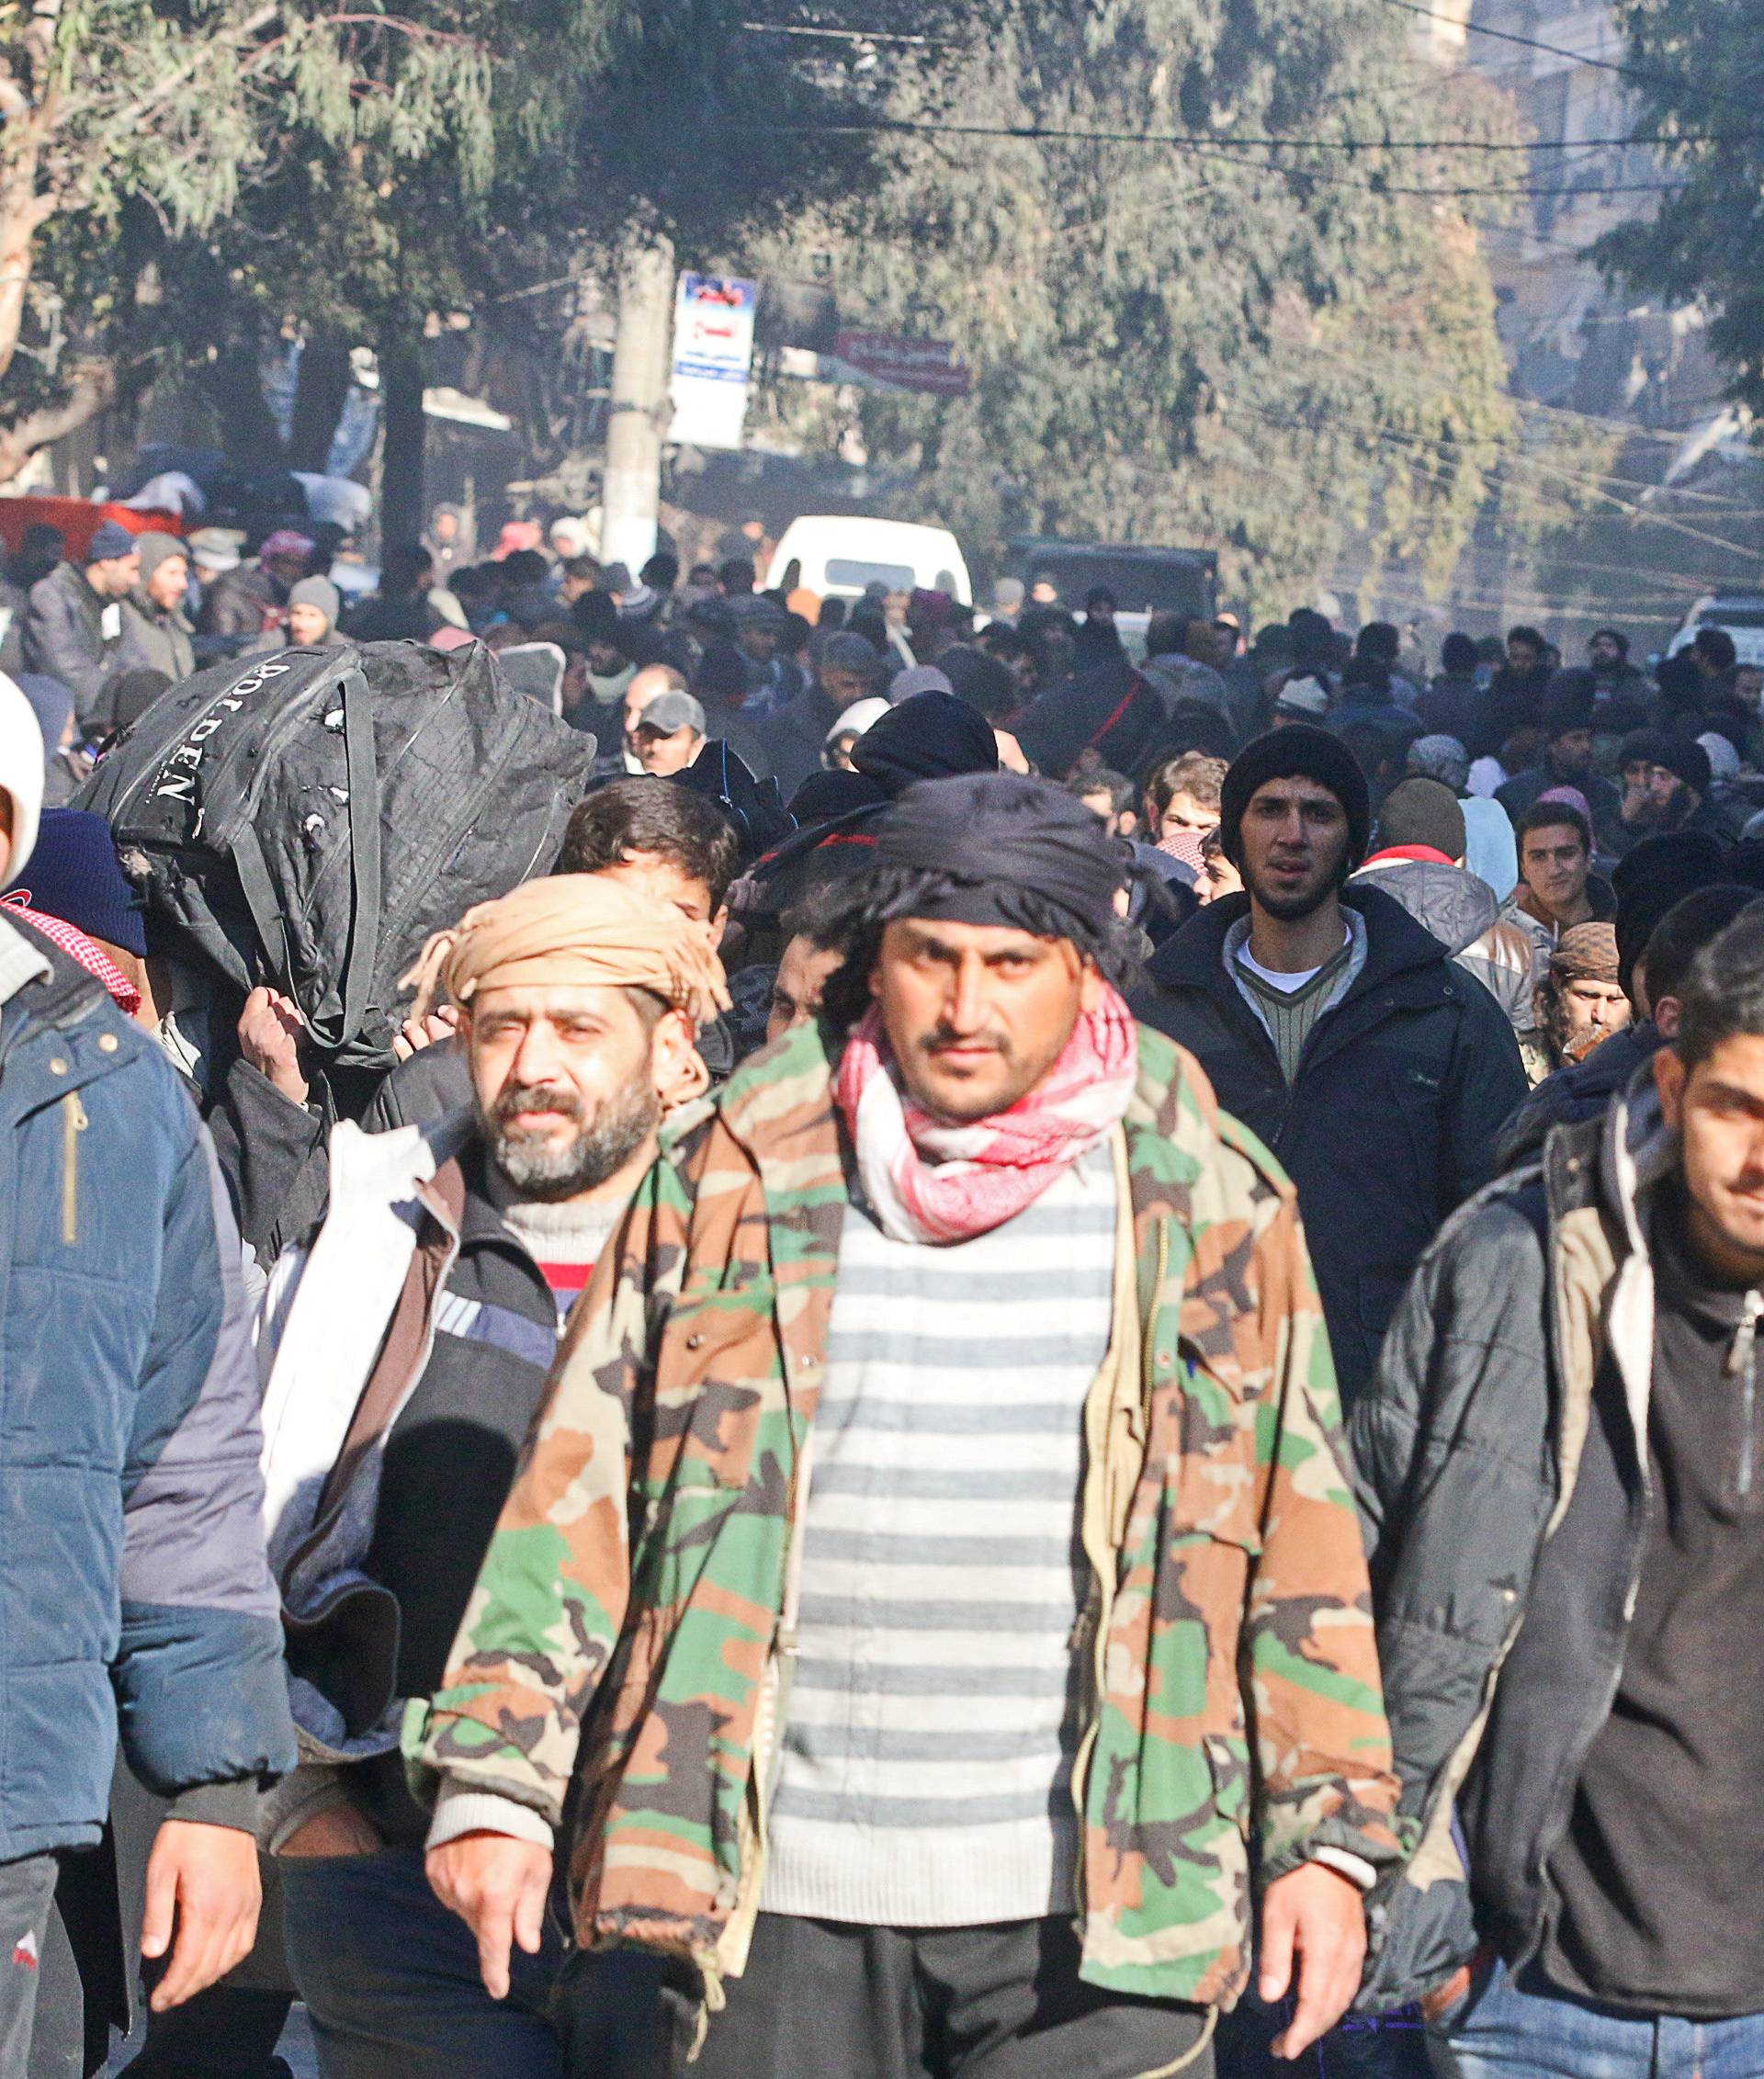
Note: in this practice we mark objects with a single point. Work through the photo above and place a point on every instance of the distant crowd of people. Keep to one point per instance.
(1040, 1360)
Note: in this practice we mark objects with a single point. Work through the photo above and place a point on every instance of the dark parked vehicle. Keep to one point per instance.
(1144, 581)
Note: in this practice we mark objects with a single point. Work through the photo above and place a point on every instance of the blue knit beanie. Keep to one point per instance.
(109, 541)
(74, 874)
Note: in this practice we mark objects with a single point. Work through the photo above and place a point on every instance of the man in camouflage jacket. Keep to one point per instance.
(652, 1631)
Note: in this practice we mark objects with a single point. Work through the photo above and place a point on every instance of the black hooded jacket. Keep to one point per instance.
(1576, 1094)
(1111, 709)
(928, 736)
(1392, 1119)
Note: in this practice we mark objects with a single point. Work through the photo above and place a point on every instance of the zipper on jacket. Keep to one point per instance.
(1099, 1613)
(1742, 1356)
(777, 1679)
(73, 1123)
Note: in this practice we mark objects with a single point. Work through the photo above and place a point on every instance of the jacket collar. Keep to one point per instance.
(60, 996)
(1394, 854)
(1636, 1149)
(1614, 1165)
(401, 1166)
(84, 589)
(389, 1169)
(22, 961)
(1395, 945)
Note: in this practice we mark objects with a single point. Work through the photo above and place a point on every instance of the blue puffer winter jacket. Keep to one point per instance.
(133, 1587)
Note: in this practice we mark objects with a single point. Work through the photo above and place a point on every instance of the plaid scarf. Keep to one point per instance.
(930, 1181)
(1184, 846)
(73, 941)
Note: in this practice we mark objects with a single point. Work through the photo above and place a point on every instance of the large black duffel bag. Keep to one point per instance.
(308, 818)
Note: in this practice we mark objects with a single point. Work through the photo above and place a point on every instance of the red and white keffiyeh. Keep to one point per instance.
(77, 946)
(930, 1181)
(1184, 846)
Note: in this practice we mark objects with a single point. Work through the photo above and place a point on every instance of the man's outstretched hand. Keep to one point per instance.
(1321, 1918)
(497, 1886)
(203, 1879)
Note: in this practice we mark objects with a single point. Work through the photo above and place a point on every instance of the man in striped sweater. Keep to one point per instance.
(933, 1565)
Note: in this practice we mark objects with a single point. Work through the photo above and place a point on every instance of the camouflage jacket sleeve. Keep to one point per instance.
(1322, 1745)
(550, 1603)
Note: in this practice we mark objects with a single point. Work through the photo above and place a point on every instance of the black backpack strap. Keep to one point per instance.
(364, 852)
(363, 774)
(261, 899)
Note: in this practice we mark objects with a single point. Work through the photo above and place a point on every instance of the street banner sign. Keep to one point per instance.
(713, 351)
(886, 360)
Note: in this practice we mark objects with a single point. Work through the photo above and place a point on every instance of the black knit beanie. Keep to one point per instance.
(1296, 750)
(1655, 877)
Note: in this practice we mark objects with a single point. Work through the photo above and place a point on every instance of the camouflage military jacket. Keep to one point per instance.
(629, 1631)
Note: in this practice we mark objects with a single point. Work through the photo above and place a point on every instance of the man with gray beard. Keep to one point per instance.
(406, 1345)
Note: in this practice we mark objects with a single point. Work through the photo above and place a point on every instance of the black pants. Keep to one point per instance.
(822, 1999)
(390, 1982)
(1393, 2046)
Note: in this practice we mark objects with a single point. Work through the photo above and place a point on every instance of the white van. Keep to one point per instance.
(840, 556)
(1742, 614)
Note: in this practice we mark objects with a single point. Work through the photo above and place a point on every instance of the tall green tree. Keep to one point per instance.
(176, 109)
(1181, 332)
(181, 181)
(1695, 67)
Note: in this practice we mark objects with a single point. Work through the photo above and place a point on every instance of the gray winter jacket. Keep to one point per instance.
(1537, 1296)
(154, 640)
(1464, 913)
(65, 635)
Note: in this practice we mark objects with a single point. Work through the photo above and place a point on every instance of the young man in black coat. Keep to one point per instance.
(1334, 1026)
(1559, 1466)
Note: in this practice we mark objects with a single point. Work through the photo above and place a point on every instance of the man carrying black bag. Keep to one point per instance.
(306, 819)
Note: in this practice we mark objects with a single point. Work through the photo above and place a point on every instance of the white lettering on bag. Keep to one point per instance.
(177, 780)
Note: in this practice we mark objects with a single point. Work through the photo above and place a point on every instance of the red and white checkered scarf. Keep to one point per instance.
(1184, 846)
(77, 946)
(930, 1181)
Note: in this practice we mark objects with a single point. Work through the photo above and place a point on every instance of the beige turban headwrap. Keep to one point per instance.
(574, 928)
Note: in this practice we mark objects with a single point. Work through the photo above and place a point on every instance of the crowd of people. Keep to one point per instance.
(1046, 1364)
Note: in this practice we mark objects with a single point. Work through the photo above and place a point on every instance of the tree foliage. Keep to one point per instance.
(1696, 67)
(177, 170)
(1267, 349)
(183, 179)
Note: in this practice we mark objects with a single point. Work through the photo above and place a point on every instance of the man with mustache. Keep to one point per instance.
(406, 1345)
(932, 1600)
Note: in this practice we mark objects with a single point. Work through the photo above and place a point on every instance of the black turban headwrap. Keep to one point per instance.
(991, 839)
(928, 736)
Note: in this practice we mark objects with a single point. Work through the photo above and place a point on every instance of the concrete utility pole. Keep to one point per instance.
(638, 416)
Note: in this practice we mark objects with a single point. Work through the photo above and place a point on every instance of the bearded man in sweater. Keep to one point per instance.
(407, 1344)
(933, 1571)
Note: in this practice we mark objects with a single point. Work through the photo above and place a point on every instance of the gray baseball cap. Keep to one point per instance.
(672, 711)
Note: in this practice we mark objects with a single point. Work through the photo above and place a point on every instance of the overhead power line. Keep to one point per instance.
(1437, 446)
(1638, 72)
(851, 35)
(1222, 149)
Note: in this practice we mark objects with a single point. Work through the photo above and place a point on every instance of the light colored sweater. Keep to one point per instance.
(926, 1779)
